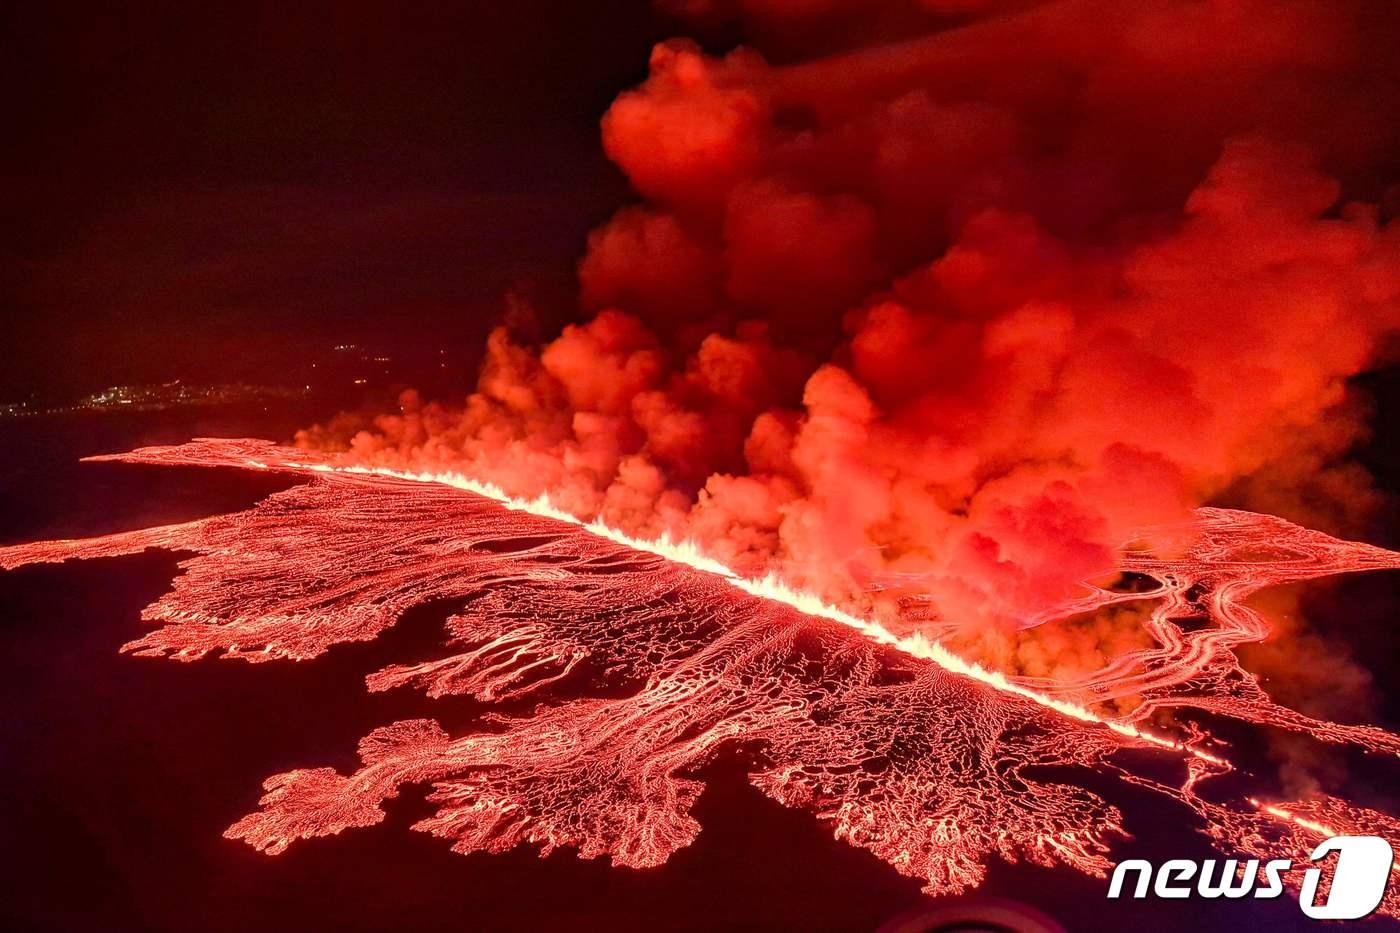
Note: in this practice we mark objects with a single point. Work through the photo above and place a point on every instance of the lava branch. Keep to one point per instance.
(909, 750)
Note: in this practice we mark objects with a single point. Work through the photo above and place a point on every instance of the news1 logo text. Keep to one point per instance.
(1359, 879)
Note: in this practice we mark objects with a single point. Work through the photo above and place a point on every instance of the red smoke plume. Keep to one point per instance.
(961, 293)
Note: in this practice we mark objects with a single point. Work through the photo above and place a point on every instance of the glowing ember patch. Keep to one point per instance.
(648, 659)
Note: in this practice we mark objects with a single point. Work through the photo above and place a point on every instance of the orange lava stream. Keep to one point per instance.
(768, 587)
(623, 665)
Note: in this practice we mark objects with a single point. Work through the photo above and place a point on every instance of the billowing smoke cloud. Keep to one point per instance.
(959, 294)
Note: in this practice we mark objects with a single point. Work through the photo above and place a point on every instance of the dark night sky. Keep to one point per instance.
(197, 188)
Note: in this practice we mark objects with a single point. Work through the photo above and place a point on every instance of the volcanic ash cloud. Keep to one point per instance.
(948, 311)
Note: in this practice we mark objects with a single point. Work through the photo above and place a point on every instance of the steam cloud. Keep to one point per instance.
(941, 300)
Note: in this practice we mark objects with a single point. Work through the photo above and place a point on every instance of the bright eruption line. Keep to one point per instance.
(1320, 829)
(768, 587)
(1283, 814)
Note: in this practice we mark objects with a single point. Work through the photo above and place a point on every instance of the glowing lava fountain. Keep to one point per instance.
(643, 660)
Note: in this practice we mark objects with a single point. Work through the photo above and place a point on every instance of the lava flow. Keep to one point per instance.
(643, 660)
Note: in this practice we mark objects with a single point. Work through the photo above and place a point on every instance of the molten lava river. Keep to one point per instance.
(641, 661)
